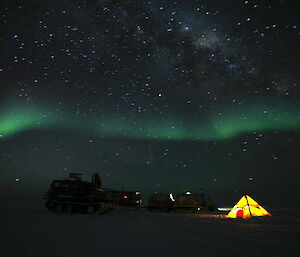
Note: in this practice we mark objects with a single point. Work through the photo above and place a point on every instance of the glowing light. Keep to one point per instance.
(224, 209)
(233, 122)
(246, 208)
(172, 197)
(240, 213)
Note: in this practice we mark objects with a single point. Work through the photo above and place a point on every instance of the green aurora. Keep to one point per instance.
(232, 122)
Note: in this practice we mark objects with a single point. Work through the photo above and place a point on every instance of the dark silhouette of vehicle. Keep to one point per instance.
(161, 201)
(76, 196)
(130, 199)
(193, 202)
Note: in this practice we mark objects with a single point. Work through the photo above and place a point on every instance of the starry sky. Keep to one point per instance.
(153, 95)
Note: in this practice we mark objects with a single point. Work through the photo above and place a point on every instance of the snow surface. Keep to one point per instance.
(38, 232)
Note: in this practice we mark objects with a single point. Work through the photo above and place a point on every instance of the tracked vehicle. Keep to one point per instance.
(73, 195)
(188, 202)
(161, 202)
(130, 199)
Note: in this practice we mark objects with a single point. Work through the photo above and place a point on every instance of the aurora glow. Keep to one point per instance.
(251, 118)
(155, 96)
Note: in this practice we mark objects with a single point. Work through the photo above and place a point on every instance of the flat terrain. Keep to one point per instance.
(37, 232)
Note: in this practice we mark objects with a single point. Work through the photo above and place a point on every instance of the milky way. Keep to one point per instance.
(194, 91)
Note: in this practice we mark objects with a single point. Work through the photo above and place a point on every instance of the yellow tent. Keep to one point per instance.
(246, 208)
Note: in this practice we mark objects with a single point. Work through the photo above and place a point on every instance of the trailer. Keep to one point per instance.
(130, 199)
(161, 202)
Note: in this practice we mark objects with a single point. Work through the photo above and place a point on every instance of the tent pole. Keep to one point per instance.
(248, 204)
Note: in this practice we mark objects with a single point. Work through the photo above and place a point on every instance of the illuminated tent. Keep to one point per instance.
(246, 208)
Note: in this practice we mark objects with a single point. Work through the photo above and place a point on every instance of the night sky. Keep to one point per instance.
(153, 95)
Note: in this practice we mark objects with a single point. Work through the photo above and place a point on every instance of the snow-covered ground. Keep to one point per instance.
(37, 232)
